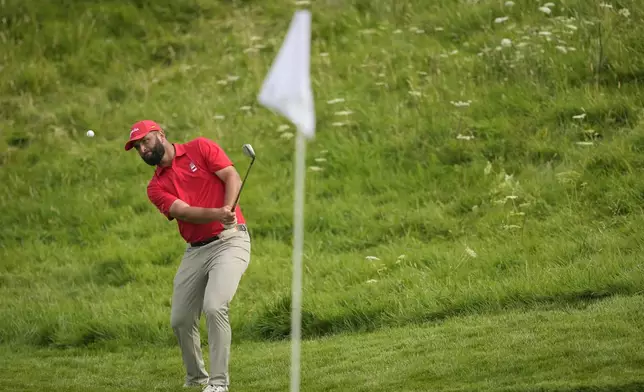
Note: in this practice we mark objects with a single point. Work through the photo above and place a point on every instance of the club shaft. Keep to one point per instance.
(242, 185)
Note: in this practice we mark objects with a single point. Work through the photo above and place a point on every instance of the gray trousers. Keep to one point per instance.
(207, 280)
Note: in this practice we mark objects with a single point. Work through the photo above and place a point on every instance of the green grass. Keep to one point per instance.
(556, 350)
(538, 213)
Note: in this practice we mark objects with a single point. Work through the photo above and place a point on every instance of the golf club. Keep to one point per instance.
(249, 152)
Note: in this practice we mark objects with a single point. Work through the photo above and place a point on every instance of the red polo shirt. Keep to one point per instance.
(191, 177)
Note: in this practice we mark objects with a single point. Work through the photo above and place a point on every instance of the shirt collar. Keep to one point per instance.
(179, 150)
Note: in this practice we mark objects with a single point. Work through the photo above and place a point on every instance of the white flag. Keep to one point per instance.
(287, 87)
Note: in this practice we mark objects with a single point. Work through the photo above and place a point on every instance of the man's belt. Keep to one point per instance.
(241, 227)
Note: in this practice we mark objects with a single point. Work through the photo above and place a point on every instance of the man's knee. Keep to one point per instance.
(182, 320)
(216, 311)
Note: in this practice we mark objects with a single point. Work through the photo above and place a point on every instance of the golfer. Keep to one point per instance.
(196, 184)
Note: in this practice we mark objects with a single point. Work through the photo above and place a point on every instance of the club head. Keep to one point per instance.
(248, 151)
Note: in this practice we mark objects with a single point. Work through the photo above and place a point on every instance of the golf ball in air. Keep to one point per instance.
(90, 133)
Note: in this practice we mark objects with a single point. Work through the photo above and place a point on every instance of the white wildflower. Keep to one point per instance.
(343, 113)
(464, 137)
(562, 49)
(488, 168)
(415, 93)
(371, 258)
(286, 135)
(338, 124)
(335, 100)
(320, 159)
(232, 78)
(470, 252)
(438, 29)
(585, 143)
(372, 281)
(501, 19)
(545, 10)
(303, 2)
(624, 12)
(367, 31)
(324, 54)
(549, 5)
(245, 108)
(219, 117)
(579, 116)
(506, 42)
(606, 5)
(315, 168)
(509, 3)
(283, 128)
(460, 104)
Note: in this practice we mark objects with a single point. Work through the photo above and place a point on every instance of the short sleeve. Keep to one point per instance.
(161, 198)
(214, 156)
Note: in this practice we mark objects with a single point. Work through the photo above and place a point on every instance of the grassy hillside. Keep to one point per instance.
(471, 158)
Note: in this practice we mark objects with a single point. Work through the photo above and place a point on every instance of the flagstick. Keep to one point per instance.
(298, 243)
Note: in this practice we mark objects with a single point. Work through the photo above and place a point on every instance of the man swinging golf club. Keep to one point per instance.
(197, 184)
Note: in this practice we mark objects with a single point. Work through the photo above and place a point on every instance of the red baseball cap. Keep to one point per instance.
(139, 130)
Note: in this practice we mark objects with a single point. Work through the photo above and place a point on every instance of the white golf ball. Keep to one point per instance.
(90, 133)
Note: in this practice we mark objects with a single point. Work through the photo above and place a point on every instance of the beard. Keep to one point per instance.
(155, 155)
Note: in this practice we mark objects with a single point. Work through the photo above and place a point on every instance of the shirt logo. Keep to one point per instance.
(133, 130)
(193, 168)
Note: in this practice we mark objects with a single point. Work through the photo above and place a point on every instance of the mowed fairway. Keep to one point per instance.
(474, 193)
(558, 350)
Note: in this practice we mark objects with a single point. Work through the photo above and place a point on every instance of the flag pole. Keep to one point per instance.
(298, 244)
(287, 90)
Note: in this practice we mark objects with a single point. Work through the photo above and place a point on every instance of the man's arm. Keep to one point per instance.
(219, 163)
(181, 210)
(173, 207)
(231, 178)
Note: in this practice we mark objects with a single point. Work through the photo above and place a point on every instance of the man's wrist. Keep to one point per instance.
(214, 214)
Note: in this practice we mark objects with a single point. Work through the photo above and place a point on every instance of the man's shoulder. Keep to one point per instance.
(200, 140)
(195, 143)
(201, 144)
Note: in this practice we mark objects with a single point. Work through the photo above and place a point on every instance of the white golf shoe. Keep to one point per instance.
(215, 388)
